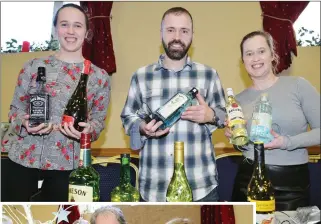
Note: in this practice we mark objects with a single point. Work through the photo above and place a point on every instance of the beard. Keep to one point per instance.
(176, 54)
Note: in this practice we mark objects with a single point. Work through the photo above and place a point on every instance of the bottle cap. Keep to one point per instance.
(229, 92)
(41, 76)
(178, 145)
(125, 155)
(264, 96)
(193, 91)
(85, 140)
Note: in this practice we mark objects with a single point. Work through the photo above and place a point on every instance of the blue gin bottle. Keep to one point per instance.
(172, 110)
(262, 121)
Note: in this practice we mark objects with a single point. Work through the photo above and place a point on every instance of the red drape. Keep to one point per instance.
(73, 215)
(217, 214)
(99, 49)
(278, 17)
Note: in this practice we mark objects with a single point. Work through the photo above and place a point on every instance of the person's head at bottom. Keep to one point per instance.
(180, 221)
(108, 215)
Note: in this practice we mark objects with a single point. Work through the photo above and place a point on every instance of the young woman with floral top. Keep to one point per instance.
(51, 152)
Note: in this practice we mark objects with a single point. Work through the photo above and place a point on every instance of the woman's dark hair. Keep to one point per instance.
(270, 42)
(71, 5)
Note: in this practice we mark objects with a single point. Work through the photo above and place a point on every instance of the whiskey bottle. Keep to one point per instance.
(236, 120)
(76, 108)
(172, 110)
(84, 181)
(179, 189)
(125, 192)
(260, 189)
(39, 101)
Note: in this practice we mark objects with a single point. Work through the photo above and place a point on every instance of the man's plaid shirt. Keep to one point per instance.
(151, 87)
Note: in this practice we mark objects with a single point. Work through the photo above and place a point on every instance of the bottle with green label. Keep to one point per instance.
(84, 181)
(125, 192)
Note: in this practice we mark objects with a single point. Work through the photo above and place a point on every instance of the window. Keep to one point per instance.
(27, 21)
(307, 26)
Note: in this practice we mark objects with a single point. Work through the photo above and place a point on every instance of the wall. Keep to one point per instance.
(219, 27)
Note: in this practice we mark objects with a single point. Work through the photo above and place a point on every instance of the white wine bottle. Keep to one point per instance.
(179, 189)
(260, 189)
(236, 120)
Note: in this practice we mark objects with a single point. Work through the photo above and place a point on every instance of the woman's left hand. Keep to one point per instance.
(69, 130)
(276, 143)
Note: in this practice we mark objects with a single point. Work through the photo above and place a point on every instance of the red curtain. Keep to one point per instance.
(99, 49)
(217, 214)
(278, 17)
(73, 215)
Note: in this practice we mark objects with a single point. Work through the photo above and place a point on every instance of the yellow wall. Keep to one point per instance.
(219, 27)
(142, 214)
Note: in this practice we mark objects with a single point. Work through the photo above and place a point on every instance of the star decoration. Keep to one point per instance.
(62, 215)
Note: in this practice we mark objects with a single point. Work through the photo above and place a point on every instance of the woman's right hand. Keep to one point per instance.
(38, 130)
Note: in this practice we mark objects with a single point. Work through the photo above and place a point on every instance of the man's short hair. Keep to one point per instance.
(177, 11)
(106, 210)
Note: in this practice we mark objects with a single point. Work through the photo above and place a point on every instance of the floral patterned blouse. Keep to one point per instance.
(55, 151)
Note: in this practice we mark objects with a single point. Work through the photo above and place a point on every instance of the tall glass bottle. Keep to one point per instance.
(262, 120)
(260, 189)
(125, 192)
(179, 189)
(39, 101)
(76, 108)
(172, 110)
(236, 120)
(84, 181)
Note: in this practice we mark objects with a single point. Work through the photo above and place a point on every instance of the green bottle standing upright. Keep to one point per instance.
(84, 181)
(125, 192)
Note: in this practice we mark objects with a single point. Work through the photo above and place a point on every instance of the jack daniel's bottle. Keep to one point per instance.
(76, 109)
(172, 110)
(39, 101)
(84, 181)
(260, 189)
(179, 189)
(125, 192)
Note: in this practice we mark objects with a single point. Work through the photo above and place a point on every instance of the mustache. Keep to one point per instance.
(176, 42)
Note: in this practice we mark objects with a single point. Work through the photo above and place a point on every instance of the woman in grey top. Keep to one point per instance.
(52, 152)
(296, 105)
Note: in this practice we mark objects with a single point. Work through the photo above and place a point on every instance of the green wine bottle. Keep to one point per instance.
(125, 192)
(260, 189)
(179, 189)
(76, 108)
(84, 181)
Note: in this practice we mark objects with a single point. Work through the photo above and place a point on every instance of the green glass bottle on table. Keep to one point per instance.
(84, 181)
(260, 189)
(125, 192)
(179, 189)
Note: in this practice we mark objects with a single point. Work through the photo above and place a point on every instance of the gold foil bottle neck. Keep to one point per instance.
(179, 152)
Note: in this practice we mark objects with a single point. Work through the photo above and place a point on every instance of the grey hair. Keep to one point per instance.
(108, 210)
(179, 221)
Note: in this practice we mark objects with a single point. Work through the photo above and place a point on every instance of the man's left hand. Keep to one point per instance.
(201, 113)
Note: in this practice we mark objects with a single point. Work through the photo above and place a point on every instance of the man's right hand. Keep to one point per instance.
(150, 129)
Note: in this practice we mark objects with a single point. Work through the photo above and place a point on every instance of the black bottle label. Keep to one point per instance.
(39, 109)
